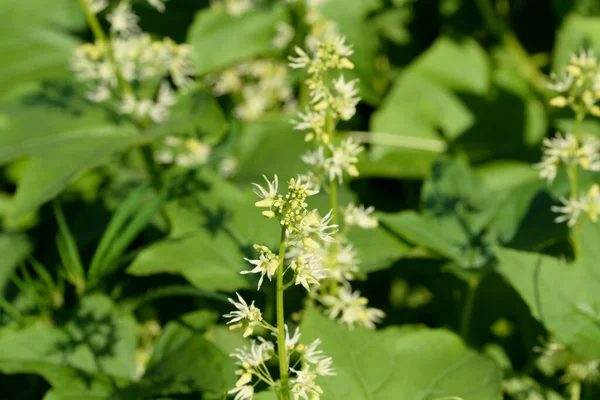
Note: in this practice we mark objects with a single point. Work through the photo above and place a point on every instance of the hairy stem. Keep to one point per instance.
(467, 313)
(281, 349)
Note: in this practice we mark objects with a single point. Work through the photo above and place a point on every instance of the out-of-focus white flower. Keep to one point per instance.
(343, 159)
(164, 157)
(158, 4)
(352, 309)
(266, 264)
(570, 210)
(247, 316)
(311, 120)
(568, 151)
(360, 216)
(245, 392)
(228, 167)
(284, 33)
(342, 265)
(304, 384)
(308, 270)
(181, 67)
(197, 153)
(97, 6)
(234, 7)
(165, 99)
(123, 21)
(99, 94)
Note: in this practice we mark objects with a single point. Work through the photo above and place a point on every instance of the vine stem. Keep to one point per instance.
(125, 88)
(467, 314)
(574, 185)
(281, 349)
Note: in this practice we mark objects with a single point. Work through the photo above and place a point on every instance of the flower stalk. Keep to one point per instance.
(281, 347)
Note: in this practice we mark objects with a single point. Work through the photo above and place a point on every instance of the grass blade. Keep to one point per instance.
(68, 251)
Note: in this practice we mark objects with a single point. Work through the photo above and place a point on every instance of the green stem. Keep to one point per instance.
(281, 349)
(575, 389)
(467, 314)
(92, 20)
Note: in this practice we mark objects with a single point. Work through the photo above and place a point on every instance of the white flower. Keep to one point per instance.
(123, 21)
(165, 99)
(315, 158)
(245, 392)
(302, 60)
(284, 33)
(97, 6)
(250, 315)
(344, 264)
(323, 367)
(571, 210)
(268, 196)
(99, 94)
(197, 153)
(181, 67)
(343, 159)
(158, 4)
(234, 7)
(290, 341)
(304, 385)
(164, 157)
(308, 270)
(266, 264)
(360, 216)
(256, 355)
(352, 308)
(344, 103)
(311, 354)
(312, 226)
(228, 167)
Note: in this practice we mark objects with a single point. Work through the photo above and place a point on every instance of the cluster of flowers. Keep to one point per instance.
(183, 152)
(578, 88)
(130, 67)
(261, 86)
(257, 86)
(331, 101)
(302, 229)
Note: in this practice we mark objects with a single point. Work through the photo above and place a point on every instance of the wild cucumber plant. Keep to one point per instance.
(579, 89)
(301, 228)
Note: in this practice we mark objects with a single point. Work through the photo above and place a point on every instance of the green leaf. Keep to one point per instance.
(239, 37)
(377, 248)
(400, 363)
(14, 247)
(577, 32)
(564, 297)
(185, 361)
(95, 348)
(213, 229)
(260, 141)
(33, 47)
(392, 24)
(461, 220)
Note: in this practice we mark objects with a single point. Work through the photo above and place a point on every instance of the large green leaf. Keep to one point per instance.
(376, 248)
(33, 43)
(213, 229)
(400, 363)
(94, 348)
(461, 220)
(564, 297)
(238, 37)
(184, 361)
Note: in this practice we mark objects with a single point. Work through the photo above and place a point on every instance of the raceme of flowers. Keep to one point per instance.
(578, 88)
(579, 84)
(132, 68)
(257, 87)
(302, 229)
(333, 100)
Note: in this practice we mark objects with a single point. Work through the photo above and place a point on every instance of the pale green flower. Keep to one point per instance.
(245, 316)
